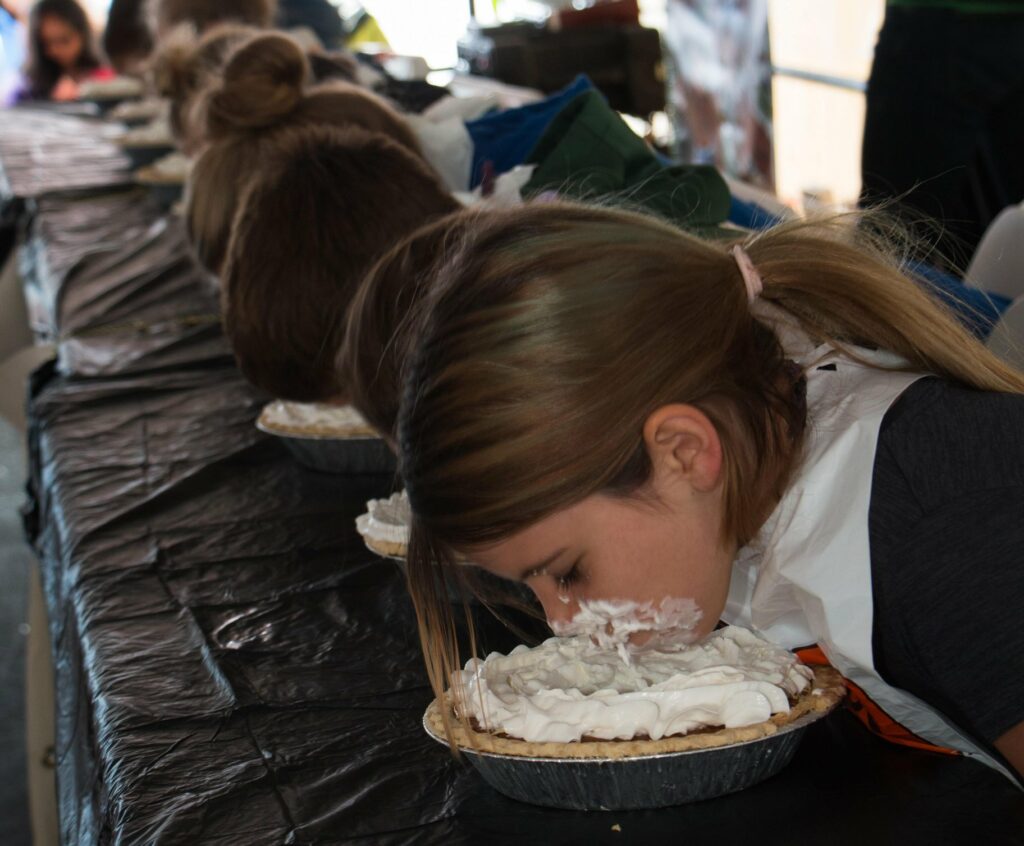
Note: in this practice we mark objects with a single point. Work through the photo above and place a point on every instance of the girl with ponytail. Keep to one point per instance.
(784, 429)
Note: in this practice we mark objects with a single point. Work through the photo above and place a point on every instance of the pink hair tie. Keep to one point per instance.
(751, 278)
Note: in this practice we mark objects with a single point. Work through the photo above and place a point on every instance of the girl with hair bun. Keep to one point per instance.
(323, 205)
(184, 64)
(187, 63)
(262, 91)
(785, 431)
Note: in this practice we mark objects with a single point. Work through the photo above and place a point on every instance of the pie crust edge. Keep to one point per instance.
(826, 691)
(318, 431)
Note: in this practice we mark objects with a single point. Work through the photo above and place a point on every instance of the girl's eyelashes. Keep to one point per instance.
(572, 576)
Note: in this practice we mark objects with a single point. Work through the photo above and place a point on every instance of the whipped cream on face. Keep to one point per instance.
(386, 519)
(570, 688)
(611, 622)
(316, 416)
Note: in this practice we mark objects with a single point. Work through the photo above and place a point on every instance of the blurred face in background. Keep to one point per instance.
(61, 43)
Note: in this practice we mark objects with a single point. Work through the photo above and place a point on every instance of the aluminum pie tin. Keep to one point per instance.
(106, 103)
(350, 456)
(165, 194)
(649, 781)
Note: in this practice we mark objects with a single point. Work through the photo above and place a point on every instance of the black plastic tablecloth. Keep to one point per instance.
(111, 280)
(234, 667)
(44, 152)
(60, 230)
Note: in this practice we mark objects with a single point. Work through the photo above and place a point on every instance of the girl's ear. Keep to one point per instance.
(683, 443)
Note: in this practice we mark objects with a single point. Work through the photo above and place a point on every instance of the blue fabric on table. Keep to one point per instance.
(506, 138)
(750, 215)
(978, 310)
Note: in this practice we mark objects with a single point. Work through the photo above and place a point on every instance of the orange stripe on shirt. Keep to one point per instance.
(865, 709)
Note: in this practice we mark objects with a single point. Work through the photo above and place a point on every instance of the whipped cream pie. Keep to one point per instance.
(120, 87)
(314, 419)
(571, 697)
(385, 525)
(156, 133)
(172, 169)
(147, 109)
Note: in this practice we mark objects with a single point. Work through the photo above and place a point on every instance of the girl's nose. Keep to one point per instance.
(559, 605)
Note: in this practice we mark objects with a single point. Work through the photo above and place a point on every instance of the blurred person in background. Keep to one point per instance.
(165, 15)
(127, 40)
(945, 118)
(62, 52)
(318, 15)
(11, 51)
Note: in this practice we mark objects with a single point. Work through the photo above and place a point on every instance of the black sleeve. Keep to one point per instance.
(947, 553)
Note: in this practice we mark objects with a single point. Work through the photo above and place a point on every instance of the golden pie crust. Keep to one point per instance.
(825, 692)
(389, 549)
(153, 176)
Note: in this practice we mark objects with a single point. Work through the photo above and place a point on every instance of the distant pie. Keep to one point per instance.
(118, 88)
(385, 525)
(133, 110)
(314, 419)
(156, 133)
(172, 169)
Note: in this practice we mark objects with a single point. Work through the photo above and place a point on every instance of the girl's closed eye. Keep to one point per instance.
(572, 576)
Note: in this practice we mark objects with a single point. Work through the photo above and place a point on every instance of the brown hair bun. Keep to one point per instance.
(262, 83)
(173, 66)
(184, 63)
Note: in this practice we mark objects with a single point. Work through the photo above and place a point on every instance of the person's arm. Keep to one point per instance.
(65, 90)
(1011, 745)
(16, 10)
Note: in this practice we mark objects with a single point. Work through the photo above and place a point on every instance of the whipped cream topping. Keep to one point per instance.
(109, 89)
(570, 688)
(611, 623)
(316, 416)
(386, 519)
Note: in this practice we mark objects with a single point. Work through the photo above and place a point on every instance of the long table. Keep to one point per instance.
(234, 667)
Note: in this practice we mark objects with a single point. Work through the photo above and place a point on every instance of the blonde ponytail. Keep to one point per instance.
(844, 283)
